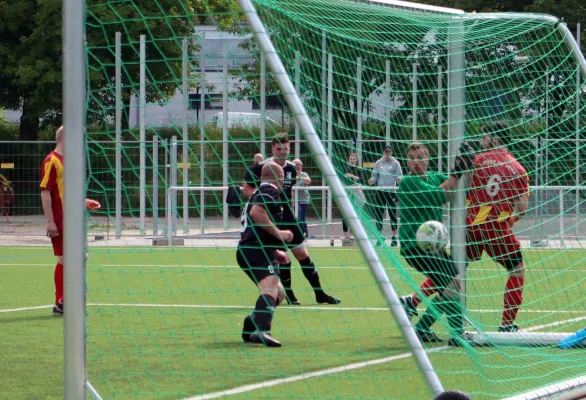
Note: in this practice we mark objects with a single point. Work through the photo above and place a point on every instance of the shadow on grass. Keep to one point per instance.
(29, 318)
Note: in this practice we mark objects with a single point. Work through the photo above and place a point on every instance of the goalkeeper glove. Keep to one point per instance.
(464, 161)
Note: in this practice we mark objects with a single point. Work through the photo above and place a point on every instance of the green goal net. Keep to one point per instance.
(181, 99)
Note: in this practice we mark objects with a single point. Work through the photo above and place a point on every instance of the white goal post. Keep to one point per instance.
(74, 85)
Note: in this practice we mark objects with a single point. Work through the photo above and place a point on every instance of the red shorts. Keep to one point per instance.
(498, 240)
(58, 244)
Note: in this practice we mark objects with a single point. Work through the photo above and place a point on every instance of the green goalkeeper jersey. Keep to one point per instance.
(421, 200)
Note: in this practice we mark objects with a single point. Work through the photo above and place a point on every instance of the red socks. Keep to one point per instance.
(513, 298)
(58, 278)
(427, 289)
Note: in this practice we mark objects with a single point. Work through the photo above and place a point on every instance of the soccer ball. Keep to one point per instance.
(432, 237)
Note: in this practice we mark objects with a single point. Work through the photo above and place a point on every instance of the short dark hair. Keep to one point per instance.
(499, 130)
(280, 139)
(453, 395)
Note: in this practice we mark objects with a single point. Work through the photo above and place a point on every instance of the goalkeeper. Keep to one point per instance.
(422, 196)
(497, 198)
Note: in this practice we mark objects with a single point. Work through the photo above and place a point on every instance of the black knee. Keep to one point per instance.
(513, 261)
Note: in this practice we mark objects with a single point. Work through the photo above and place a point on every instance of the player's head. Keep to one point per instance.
(59, 135)
(352, 159)
(495, 135)
(453, 395)
(298, 164)
(273, 173)
(258, 158)
(417, 158)
(388, 152)
(281, 148)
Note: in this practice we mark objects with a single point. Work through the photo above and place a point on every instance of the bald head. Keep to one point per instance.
(258, 158)
(272, 172)
(59, 134)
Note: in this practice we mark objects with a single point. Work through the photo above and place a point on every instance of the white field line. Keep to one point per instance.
(558, 323)
(301, 377)
(316, 374)
(25, 309)
(201, 266)
(283, 308)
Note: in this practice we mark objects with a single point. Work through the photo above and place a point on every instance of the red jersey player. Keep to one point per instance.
(497, 197)
(52, 199)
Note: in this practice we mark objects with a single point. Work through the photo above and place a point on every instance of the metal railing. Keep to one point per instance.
(550, 216)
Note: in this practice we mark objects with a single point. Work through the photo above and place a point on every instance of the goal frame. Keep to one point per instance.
(74, 94)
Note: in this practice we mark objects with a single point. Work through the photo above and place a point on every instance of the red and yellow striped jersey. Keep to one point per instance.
(495, 185)
(52, 180)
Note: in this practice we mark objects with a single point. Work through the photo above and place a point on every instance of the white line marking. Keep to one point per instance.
(292, 308)
(289, 308)
(200, 266)
(558, 323)
(315, 374)
(25, 309)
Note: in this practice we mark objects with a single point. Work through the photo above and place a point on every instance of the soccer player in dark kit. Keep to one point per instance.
(259, 253)
(280, 150)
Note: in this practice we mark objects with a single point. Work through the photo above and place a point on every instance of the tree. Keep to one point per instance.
(31, 52)
(346, 43)
(572, 11)
(30, 61)
(164, 37)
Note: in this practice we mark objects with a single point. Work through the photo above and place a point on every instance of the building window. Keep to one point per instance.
(213, 101)
(272, 102)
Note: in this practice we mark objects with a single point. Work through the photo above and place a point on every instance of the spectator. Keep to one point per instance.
(354, 176)
(6, 196)
(387, 172)
(258, 158)
(302, 195)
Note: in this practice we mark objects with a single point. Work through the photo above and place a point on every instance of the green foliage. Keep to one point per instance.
(8, 131)
(163, 47)
(31, 52)
(571, 11)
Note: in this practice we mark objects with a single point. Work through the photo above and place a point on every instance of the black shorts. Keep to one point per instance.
(299, 233)
(257, 262)
(439, 268)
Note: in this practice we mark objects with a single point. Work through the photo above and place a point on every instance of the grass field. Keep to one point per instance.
(165, 323)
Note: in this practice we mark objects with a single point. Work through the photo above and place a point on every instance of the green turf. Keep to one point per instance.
(184, 338)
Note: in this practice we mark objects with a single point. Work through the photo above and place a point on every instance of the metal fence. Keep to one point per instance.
(555, 211)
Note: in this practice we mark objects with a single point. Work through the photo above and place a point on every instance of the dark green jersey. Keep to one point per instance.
(421, 200)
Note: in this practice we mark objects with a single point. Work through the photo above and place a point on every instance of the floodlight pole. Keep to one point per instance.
(74, 85)
(349, 214)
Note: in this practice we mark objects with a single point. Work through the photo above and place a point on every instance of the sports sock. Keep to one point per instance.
(263, 312)
(431, 314)
(427, 288)
(285, 276)
(58, 279)
(513, 298)
(443, 305)
(310, 273)
(452, 307)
